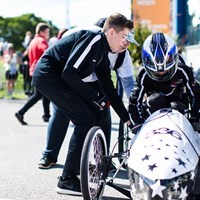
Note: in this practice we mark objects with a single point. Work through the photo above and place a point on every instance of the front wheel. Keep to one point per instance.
(92, 173)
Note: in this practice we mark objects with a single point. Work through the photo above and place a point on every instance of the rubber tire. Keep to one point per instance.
(94, 133)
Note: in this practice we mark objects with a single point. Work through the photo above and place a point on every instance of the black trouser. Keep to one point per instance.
(82, 114)
(59, 121)
(27, 79)
(33, 99)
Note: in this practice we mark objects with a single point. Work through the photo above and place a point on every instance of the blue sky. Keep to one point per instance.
(64, 13)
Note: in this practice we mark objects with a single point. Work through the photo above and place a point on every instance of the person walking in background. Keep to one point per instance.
(27, 39)
(36, 48)
(11, 62)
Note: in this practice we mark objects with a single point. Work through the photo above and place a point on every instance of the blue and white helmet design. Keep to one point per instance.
(160, 57)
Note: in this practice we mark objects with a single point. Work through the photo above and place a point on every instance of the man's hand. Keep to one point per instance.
(129, 124)
(131, 127)
(102, 103)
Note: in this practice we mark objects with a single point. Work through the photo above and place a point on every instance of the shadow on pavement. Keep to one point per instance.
(58, 166)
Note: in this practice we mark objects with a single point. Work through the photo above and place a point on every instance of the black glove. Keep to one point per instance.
(194, 119)
(102, 102)
(182, 108)
(134, 114)
(195, 115)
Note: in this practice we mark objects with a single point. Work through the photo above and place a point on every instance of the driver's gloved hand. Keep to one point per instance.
(134, 114)
(182, 108)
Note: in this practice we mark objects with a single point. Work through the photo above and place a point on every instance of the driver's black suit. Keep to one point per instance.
(149, 95)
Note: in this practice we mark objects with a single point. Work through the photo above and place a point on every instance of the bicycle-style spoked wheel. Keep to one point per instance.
(92, 167)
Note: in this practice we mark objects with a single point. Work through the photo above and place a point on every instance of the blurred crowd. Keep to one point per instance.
(16, 62)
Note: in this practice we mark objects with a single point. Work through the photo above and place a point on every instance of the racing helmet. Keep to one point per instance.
(160, 57)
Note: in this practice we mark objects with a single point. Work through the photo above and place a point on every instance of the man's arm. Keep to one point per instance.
(125, 74)
(77, 61)
(103, 73)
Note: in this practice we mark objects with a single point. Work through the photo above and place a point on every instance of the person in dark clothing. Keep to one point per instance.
(122, 64)
(163, 82)
(36, 48)
(62, 74)
(24, 67)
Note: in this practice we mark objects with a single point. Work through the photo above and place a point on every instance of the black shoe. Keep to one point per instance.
(70, 186)
(20, 118)
(46, 118)
(46, 163)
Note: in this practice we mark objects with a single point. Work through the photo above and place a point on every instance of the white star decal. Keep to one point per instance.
(133, 189)
(183, 194)
(157, 189)
(145, 197)
(137, 196)
(192, 175)
(176, 186)
(169, 197)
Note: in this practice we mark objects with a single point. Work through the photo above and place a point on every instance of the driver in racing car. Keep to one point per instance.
(163, 82)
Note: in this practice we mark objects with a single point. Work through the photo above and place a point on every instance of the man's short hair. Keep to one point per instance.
(41, 27)
(118, 22)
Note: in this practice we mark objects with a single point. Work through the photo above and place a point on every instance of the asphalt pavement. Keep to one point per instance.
(20, 151)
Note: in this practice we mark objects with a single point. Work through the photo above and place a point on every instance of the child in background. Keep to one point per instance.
(11, 61)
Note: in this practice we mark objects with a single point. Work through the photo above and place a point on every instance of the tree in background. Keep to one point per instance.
(141, 33)
(13, 29)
